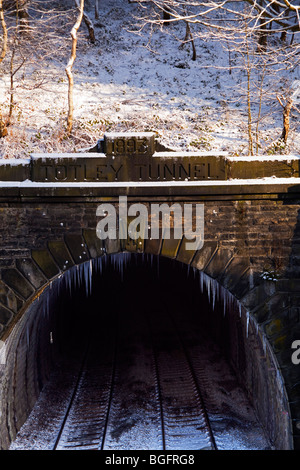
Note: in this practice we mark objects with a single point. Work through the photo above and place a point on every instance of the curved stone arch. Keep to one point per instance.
(225, 272)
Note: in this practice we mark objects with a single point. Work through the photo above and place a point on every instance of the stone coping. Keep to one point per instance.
(160, 167)
(134, 157)
(237, 189)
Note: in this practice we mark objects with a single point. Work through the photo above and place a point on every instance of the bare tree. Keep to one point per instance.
(287, 104)
(4, 33)
(260, 36)
(88, 23)
(268, 12)
(27, 47)
(3, 128)
(70, 65)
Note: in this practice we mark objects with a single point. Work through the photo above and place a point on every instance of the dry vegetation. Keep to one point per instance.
(195, 89)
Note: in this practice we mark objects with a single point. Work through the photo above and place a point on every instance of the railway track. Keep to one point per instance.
(141, 384)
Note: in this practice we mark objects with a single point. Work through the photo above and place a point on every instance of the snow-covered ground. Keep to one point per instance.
(123, 85)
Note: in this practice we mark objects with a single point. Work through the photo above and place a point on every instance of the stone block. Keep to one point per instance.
(153, 246)
(131, 144)
(112, 246)
(278, 303)
(261, 313)
(294, 393)
(5, 316)
(14, 279)
(31, 272)
(14, 169)
(259, 295)
(244, 284)
(204, 255)
(9, 299)
(185, 255)
(45, 262)
(170, 247)
(295, 409)
(134, 246)
(60, 254)
(288, 285)
(77, 247)
(234, 271)
(94, 244)
(218, 263)
(276, 326)
(62, 168)
(279, 166)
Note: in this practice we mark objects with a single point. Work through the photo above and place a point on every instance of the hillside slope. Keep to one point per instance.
(125, 82)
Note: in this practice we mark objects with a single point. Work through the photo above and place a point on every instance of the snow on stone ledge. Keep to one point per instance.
(126, 184)
(14, 161)
(263, 158)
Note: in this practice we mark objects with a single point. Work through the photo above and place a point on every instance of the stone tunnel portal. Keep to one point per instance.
(137, 351)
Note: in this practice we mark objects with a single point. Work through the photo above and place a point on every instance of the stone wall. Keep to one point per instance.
(250, 248)
(251, 245)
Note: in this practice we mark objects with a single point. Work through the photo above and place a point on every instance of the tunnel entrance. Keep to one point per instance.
(133, 351)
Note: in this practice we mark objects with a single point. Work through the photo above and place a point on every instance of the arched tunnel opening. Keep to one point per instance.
(134, 351)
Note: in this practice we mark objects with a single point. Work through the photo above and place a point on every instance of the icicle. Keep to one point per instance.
(264, 344)
(47, 304)
(247, 324)
(201, 281)
(99, 265)
(207, 282)
(27, 336)
(214, 288)
(85, 268)
(86, 278)
(77, 276)
(251, 283)
(91, 275)
(68, 278)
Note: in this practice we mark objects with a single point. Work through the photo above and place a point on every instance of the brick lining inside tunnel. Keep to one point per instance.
(31, 354)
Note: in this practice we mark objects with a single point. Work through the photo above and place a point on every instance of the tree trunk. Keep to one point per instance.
(166, 14)
(69, 68)
(286, 120)
(96, 9)
(4, 32)
(189, 36)
(248, 71)
(22, 12)
(88, 23)
(3, 128)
